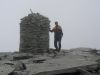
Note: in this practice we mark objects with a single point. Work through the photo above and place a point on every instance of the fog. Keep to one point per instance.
(80, 21)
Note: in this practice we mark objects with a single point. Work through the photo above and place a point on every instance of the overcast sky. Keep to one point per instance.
(80, 20)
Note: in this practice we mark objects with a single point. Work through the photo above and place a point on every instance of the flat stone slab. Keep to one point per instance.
(57, 65)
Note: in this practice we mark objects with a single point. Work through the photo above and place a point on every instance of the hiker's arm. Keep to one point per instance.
(51, 30)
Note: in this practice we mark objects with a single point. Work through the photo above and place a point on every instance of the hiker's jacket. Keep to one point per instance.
(57, 32)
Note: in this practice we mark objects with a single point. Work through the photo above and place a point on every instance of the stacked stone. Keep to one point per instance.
(34, 33)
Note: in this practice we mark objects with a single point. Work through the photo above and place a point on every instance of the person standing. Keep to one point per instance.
(58, 33)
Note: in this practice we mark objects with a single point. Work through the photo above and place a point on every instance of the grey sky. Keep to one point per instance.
(78, 18)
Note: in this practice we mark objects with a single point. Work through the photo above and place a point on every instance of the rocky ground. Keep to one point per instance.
(65, 62)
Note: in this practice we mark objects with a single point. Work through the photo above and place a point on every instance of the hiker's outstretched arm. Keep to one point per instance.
(51, 30)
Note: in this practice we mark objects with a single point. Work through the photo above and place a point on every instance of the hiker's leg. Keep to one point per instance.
(59, 45)
(55, 44)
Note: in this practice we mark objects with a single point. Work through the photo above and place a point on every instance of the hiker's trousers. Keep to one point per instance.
(57, 44)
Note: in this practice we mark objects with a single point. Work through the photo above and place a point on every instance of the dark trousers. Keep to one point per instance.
(57, 44)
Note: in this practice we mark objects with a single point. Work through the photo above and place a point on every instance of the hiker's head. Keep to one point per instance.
(56, 23)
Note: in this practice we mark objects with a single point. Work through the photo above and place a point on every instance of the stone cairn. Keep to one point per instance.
(34, 33)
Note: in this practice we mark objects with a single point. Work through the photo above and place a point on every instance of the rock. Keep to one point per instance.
(94, 51)
(18, 73)
(5, 69)
(9, 63)
(39, 61)
(21, 57)
(84, 72)
(13, 73)
(20, 66)
(0, 58)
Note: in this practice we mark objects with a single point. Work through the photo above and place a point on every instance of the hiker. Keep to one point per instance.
(57, 36)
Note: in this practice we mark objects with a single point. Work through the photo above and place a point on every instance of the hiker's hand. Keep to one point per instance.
(50, 28)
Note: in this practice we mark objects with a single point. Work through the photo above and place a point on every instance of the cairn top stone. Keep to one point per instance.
(34, 17)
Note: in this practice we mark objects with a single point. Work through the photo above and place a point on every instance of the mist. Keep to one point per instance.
(79, 20)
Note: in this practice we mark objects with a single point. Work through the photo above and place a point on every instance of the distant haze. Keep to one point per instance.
(80, 21)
